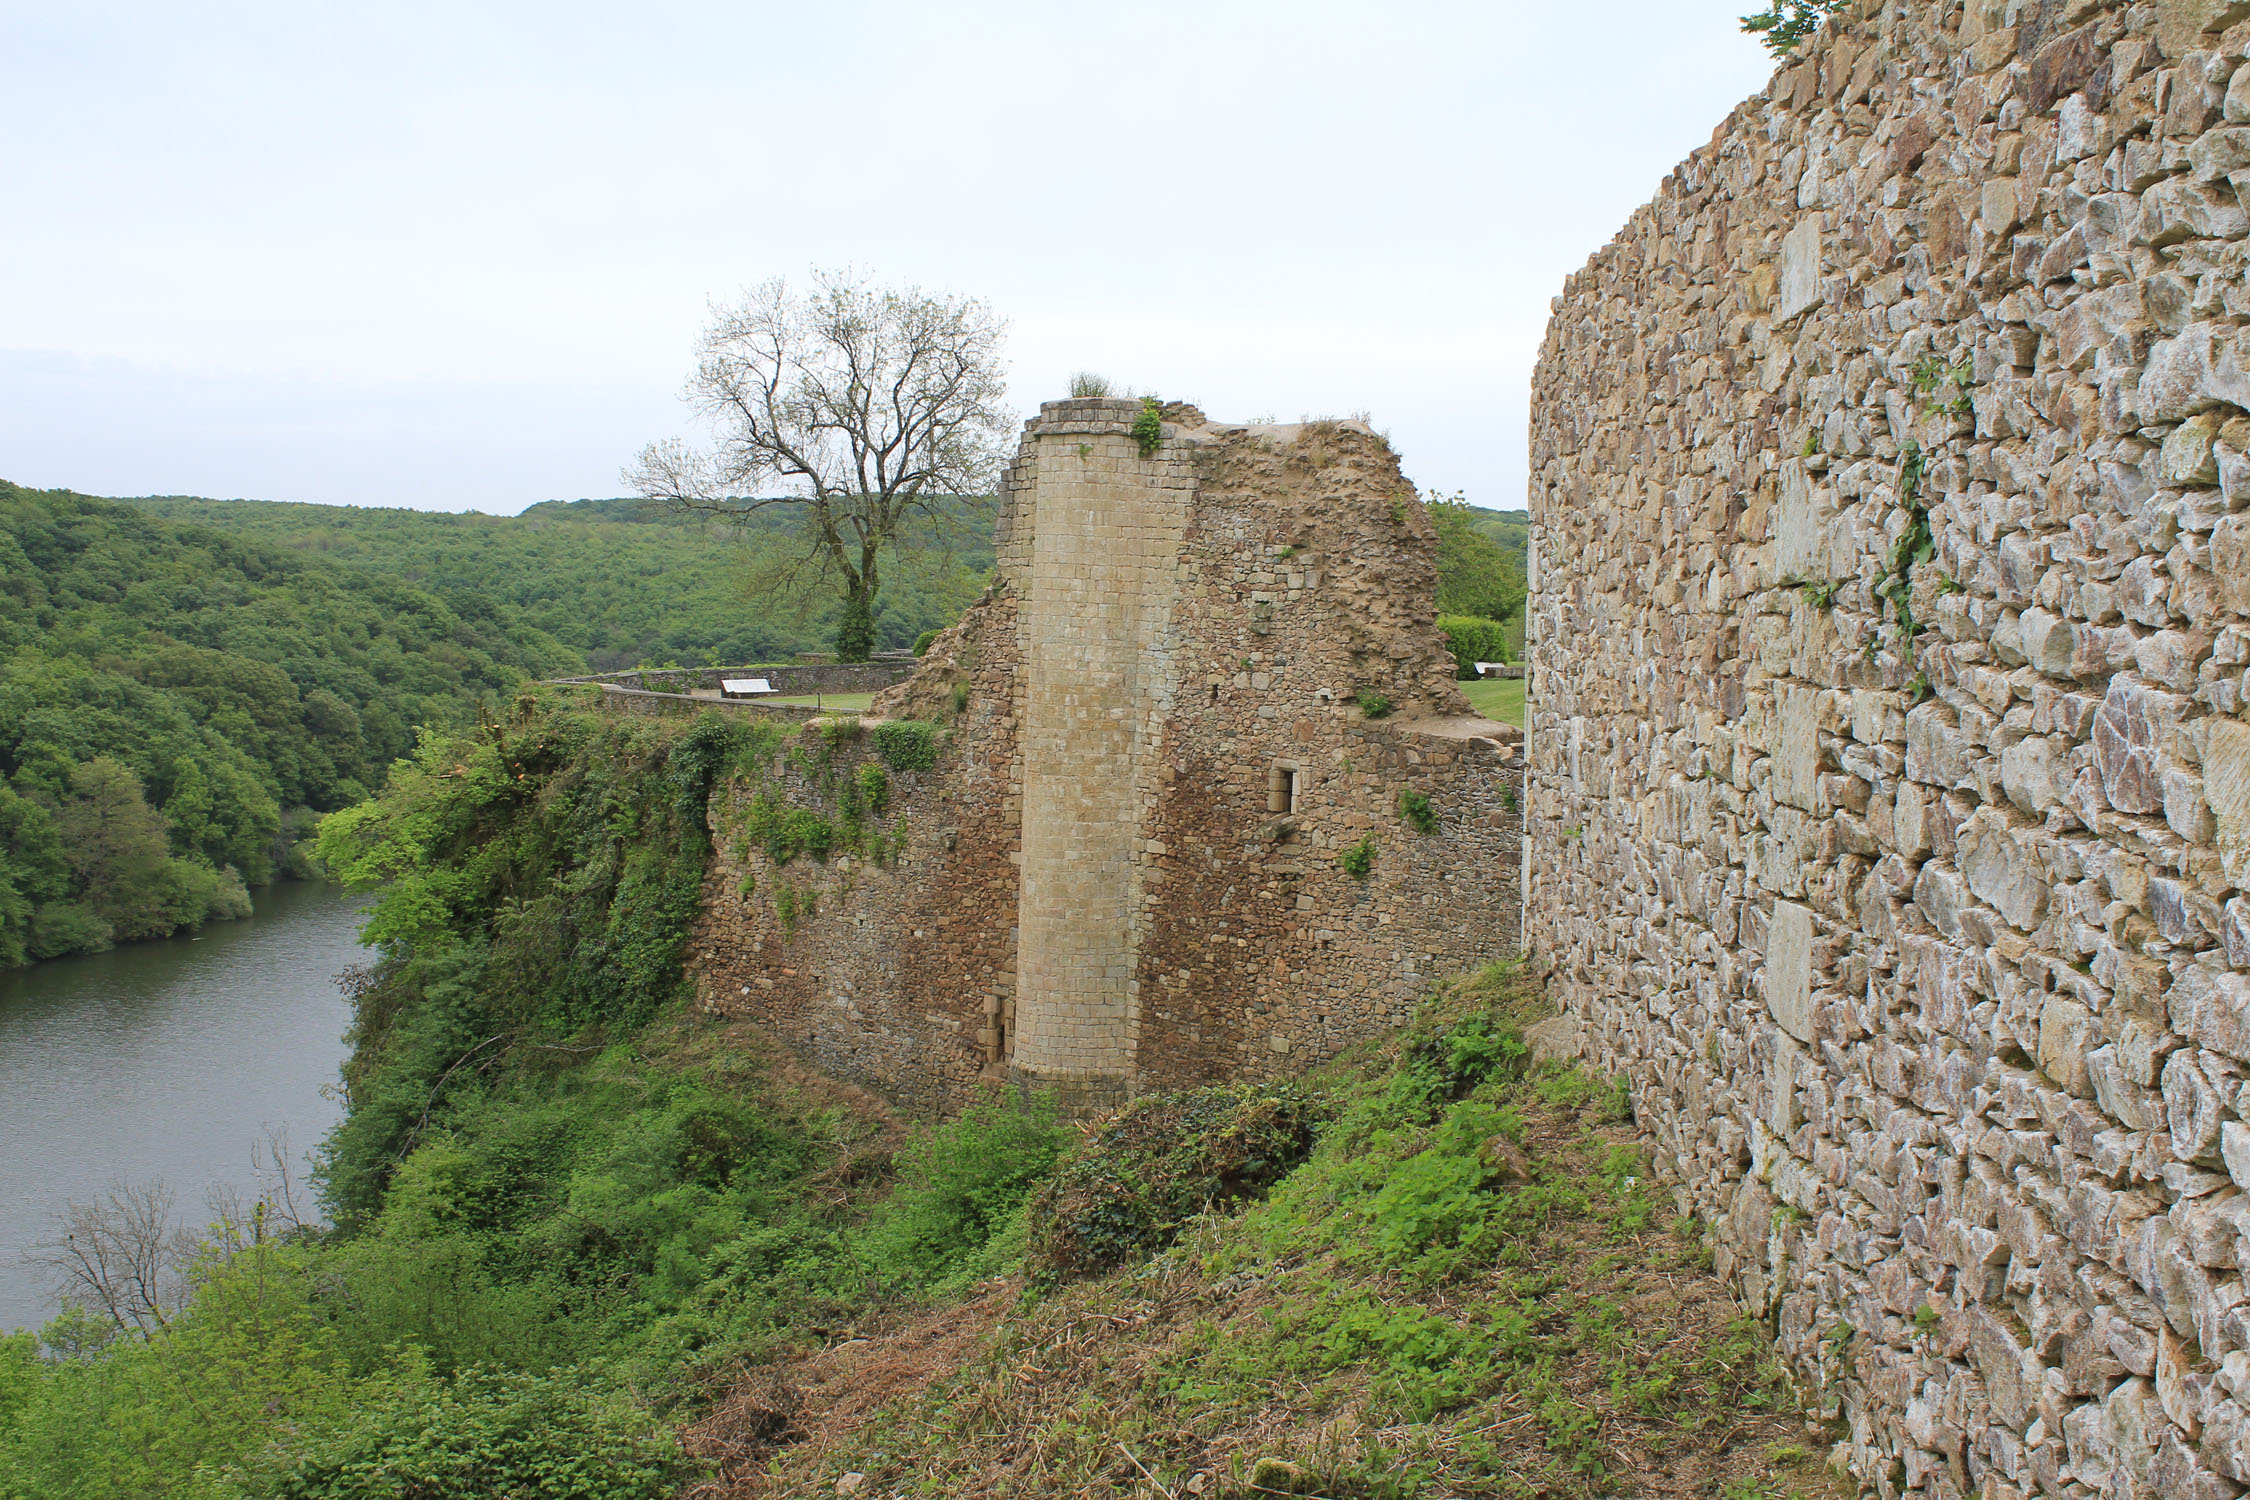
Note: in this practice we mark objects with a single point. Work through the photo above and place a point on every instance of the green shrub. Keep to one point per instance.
(874, 787)
(1418, 811)
(562, 1434)
(1148, 427)
(1359, 858)
(1472, 640)
(907, 744)
(922, 641)
(1128, 1191)
(960, 1185)
(1374, 705)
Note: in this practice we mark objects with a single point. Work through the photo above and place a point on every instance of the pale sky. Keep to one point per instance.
(456, 255)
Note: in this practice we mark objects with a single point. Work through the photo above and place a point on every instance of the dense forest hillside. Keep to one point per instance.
(176, 702)
(624, 582)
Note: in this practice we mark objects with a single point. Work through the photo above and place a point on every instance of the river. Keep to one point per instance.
(166, 1061)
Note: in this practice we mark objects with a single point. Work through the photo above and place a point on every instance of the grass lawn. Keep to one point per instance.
(849, 703)
(1497, 698)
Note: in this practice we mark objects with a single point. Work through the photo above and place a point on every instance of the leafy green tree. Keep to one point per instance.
(114, 843)
(1476, 575)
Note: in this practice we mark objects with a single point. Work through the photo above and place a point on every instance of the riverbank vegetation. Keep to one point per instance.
(570, 1218)
(176, 705)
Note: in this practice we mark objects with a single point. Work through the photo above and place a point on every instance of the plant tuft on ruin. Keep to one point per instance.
(1148, 427)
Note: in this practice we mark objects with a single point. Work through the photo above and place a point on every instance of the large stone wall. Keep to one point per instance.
(1889, 791)
(1093, 890)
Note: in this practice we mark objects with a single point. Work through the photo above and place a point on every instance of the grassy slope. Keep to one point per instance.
(1470, 1289)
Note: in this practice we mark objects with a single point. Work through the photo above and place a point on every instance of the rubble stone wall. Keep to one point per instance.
(1889, 790)
(1123, 871)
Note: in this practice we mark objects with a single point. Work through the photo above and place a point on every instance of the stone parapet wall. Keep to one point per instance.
(1889, 794)
(627, 700)
(1123, 873)
(788, 682)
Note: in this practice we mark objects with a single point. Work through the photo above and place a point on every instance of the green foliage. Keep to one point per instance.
(625, 583)
(922, 641)
(1821, 594)
(1086, 384)
(1359, 858)
(1480, 562)
(1944, 387)
(1148, 426)
(1472, 640)
(874, 787)
(210, 683)
(537, 879)
(1165, 1159)
(1915, 546)
(1374, 705)
(855, 629)
(907, 744)
(1417, 811)
(1785, 23)
(487, 1434)
(960, 1186)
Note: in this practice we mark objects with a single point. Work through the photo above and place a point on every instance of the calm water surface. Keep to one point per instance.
(169, 1060)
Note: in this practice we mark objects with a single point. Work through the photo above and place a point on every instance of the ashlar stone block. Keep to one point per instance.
(1789, 942)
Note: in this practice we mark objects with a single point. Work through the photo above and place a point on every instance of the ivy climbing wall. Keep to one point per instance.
(1889, 787)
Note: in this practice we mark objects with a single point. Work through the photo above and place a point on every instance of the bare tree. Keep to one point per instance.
(859, 407)
(124, 1254)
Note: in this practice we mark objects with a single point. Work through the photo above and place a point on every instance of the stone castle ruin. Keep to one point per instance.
(1125, 866)
(1889, 785)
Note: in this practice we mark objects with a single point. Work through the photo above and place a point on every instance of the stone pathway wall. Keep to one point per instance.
(1889, 791)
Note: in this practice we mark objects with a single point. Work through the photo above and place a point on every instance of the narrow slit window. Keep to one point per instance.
(1281, 789)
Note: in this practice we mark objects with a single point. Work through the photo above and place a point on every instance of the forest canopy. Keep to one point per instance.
(628, 583)
(176, 704)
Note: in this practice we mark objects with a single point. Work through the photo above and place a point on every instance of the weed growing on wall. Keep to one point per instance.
(907, 744)
(1914, 547)
(1374, 705)
(1359, 858)
(1148, 426)
(1416, 810)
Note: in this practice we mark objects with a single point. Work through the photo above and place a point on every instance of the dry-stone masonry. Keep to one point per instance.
(1889, 778)
(1122, 872)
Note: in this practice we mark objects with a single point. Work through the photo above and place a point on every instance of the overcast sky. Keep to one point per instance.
(456, 255)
